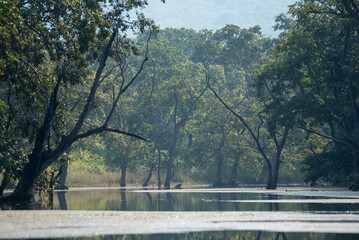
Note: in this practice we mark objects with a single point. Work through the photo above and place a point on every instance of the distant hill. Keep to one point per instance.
(214, 14)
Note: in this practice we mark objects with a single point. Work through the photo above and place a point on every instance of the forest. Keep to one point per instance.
(82, 98)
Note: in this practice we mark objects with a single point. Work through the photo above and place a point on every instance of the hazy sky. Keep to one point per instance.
(215, 14)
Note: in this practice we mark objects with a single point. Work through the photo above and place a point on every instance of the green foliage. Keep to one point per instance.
(312, 78)
(83, 159)
(332, 165)
(48, 53)
(308, 77)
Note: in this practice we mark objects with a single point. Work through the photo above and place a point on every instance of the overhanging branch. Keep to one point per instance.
(322, 135)
(106, 129)
(125, 133)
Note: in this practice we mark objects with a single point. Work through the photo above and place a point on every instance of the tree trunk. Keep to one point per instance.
(273, 182)
(42, 155)
(234, 171)
(220, 160)
(5, 181)
(275, 172)
(62, 178)
(170, 173)
(159, 168)
(218, 182)
(148, 178)
(356, 159)
(353, 95)
(30, 173)
(123, 174)
(270, 178)
(255, 138)
(39, 159)
(354, 180)
(355, 138)
(263, 174)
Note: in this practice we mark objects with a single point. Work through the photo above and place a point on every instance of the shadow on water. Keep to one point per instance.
(229, 235)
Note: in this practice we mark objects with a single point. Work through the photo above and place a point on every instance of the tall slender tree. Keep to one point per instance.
(72, 36)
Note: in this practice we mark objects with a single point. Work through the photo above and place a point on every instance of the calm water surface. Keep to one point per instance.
(122, 200)
(229, 235)
(137, 200)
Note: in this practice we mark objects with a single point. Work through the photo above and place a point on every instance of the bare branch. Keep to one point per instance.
(44, 130)
(108, 73)
(261, 124)
(95, 85)
(123, 90)
(142, 64)
(66, 141)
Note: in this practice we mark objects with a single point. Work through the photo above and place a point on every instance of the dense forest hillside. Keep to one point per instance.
(210, 14)
(83, 103)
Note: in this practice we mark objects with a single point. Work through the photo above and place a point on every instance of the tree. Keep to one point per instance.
(314, 73)
(72, 36)
(185, 102)
(244, 50)
(273, 167)
(174, 94)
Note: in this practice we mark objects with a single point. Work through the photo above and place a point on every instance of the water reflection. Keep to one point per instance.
(184, 201)
(170, 206)
(228, 235)
(123, 200)
(62, 200)
(273, 206)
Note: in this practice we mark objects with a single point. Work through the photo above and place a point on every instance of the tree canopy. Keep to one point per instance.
(225, 107)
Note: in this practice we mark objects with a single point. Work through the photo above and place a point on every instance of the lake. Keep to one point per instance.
(278, 214)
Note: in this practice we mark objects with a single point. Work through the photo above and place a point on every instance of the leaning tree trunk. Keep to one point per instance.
(148, 178)
(30, 173)
(40, 157)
